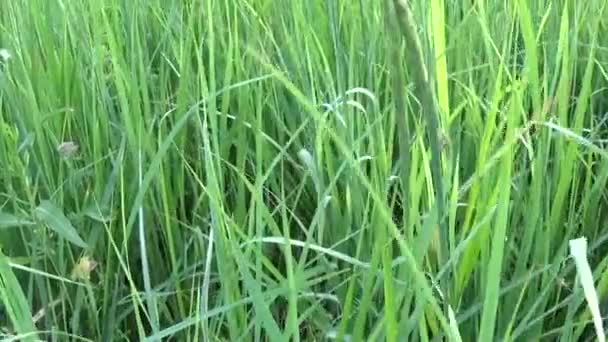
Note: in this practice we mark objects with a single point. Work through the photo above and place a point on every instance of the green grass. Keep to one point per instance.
(302, 170)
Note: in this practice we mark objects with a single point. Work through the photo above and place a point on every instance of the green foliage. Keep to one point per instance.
(301, 170)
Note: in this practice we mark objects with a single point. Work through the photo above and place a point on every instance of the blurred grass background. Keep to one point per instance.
(271, 170)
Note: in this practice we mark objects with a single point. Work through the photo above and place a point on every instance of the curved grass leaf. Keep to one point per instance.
(54, 218)
(15, 302)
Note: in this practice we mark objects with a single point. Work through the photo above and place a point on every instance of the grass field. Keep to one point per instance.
(261, 170)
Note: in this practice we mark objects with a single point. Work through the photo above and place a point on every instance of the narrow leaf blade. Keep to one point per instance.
(15, 302)
(12, 221)
(54, 218)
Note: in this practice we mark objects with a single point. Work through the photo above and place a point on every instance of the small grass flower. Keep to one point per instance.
(5, 55)
(83, 269)
(67, 149)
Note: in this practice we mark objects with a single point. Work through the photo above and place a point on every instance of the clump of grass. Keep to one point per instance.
(237, 170)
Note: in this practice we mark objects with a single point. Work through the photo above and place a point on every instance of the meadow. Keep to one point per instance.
(261, 170)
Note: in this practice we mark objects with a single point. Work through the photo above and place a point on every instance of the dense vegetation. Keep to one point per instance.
(301, 170)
